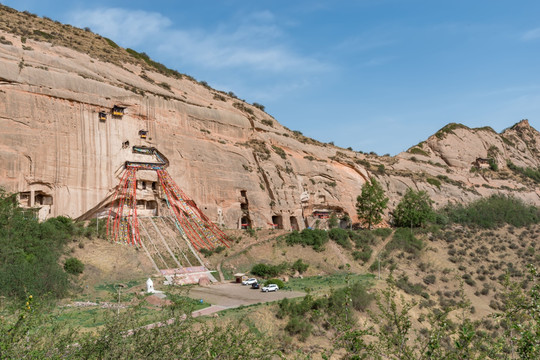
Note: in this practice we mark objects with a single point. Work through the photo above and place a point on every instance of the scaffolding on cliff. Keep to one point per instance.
(122, 222)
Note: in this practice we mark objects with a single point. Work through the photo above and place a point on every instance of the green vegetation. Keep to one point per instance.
(530, 173)
(315, 238)
(260, 107)
(371, 203)
(341, 237)
(30, 251)
(157, 66)
(434, 182)
(300, 266)
(29, 333)
(309, 312)
(491, 212)
(268, 122)
(278, 282)
(112, 43)
(417, 151)
(268, 271)
(450, 333)
(449, 129)
(73, 266)
(414, 209)
(280, 151)
(404, 240)
(210, 252)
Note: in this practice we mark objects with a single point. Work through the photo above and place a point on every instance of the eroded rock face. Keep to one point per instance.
(237, 162)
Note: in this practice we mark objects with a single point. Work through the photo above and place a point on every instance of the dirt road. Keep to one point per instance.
(231, 295)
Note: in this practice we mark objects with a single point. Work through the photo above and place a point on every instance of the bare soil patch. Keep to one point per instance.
(232, 295)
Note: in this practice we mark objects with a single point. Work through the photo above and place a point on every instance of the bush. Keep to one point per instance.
(265, 271)
(383, 233)
(298, 326)
(299, 266)
(361, 299)
(278, 282)
(363, 255)
(429, 279)
(30, 251)
(308, 237)
(341, 237)
(210, 252)
(404, 239)
(73, 266)
(410, 288)
(492, 212)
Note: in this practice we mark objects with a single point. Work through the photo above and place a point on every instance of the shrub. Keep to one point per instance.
(30, 251)
(434, 182)
(261, 107)
(531, 173)
(383, 233)
(341, 237)
(73, 266)
(280, 151)
(404, 239)
(417, 151)
(298, 326)
(429, 279)
(278, 282)
(308, 237)
(363, 255)
(410, 288)
(491, 212)
(208, 252)
(265, 271)
(299, 266)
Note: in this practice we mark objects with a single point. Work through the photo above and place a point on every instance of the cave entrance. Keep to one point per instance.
(43, 199)
(245, 222)
(277, 222)
(294, 223)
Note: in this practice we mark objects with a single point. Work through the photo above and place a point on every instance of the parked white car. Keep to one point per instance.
(249, 281)
(270, 287)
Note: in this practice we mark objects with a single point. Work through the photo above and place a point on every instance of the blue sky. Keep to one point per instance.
(374, 75)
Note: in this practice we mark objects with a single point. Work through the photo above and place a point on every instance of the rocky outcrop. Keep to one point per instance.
(237, 162)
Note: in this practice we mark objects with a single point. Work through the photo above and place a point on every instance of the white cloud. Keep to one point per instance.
(254, 43)
(532, 34)
(127, 27)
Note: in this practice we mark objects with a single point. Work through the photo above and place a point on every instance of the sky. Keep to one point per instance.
(373, 75)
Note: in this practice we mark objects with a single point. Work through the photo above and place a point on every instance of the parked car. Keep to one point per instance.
(255, 285)
(249, 281)
(270, 287)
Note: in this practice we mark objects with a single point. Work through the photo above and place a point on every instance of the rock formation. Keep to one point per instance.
(63, 150)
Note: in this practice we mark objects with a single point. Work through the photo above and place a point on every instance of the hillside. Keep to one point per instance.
(237, 162)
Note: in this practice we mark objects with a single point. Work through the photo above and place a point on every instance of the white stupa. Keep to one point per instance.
(150, 286)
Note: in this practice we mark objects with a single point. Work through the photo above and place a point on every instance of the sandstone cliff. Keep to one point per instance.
(237, 162)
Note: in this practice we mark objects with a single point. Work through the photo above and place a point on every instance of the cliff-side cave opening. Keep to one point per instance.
(277, 220)
(245, 222)
(294, 223)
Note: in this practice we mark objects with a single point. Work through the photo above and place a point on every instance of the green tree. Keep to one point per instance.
(333, 221)
(414, 209)
(371, 203)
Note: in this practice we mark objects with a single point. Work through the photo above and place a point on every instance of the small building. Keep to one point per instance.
(322, 214)
(102, 116)
(239, 277)
(118, 111)
(143, 133)
(481, 163)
